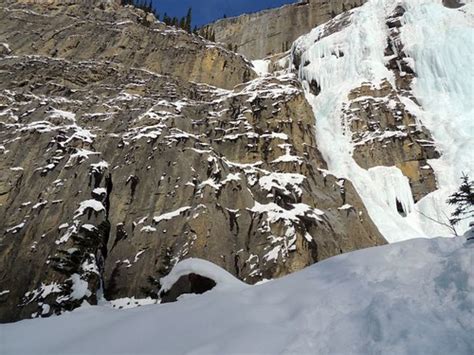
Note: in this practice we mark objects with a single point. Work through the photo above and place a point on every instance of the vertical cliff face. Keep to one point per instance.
(104, 31)
(127, 146)
(273, 31)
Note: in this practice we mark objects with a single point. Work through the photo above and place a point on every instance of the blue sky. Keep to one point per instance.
(205, 11)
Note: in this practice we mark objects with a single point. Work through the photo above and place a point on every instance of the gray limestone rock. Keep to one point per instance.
(115, 166)
(269, 32)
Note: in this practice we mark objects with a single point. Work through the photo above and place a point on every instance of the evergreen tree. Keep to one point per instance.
(188, 21)
(463, 199)
(166, 19)
(182, 23)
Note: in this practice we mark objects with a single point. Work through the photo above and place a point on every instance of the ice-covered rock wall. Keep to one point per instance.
(391, 83)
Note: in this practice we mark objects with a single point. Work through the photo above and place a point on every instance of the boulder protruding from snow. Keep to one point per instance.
(196, 276)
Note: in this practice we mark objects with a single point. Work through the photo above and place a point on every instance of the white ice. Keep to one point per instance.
(440, 42)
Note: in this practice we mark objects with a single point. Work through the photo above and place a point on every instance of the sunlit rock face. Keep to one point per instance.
(127, 146)
(273, 31)
(81, 32)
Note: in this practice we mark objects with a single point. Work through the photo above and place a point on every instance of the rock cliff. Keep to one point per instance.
(126, 146)
(81, 31)
(273, 31)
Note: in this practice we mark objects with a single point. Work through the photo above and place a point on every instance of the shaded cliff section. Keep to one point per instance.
(269, 32)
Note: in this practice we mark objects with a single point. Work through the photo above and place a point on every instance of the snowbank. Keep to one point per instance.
(414, 297)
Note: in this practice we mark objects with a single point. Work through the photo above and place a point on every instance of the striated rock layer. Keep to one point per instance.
(126, 146)
(122, 35)
(264, 33)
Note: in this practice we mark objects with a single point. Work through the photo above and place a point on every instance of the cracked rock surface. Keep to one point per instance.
(114, 168)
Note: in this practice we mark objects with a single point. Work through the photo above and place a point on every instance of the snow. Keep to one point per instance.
(15, 229)
(79, 287)
(148, 229)
(275, 135)
(231, 177)
(80, 155)
(55, 113)
(261, 66)
(99, 167)
(287, 157)
(6, 46)
(89, 227)
(276, 213)
(43, 291)
(89, 204)
(345, 207)
(413, 297)
(210, 182)
(224, 280)
(100, 191)
(62, 226)
(288, 183)
(137, 255)
(132, 302)
(68, 234)
(170, 215)
(439, 41)
(39, 204)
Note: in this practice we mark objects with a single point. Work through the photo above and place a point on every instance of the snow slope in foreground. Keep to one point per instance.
(439, 42)
(414, 297)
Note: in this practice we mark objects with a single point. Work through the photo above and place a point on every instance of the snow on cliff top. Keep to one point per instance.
(414, 297)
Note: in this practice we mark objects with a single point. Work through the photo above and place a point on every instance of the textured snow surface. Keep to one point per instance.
(413, 297)
(439, 41)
